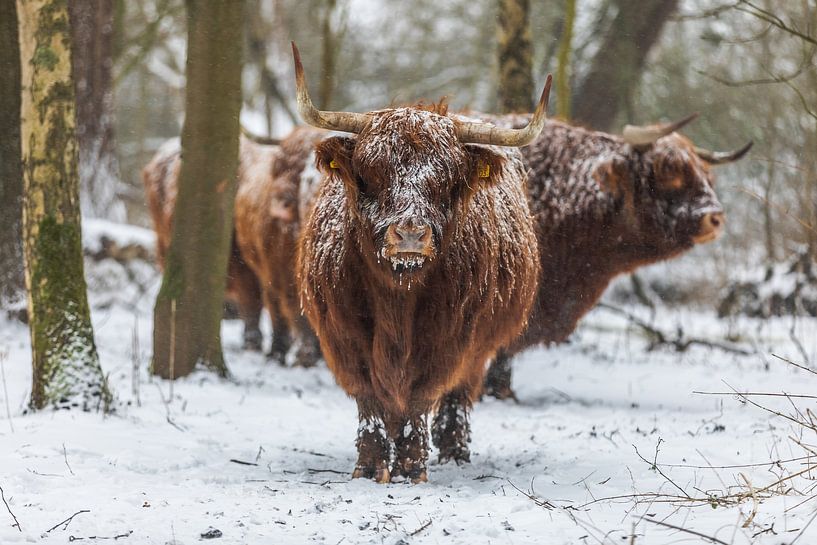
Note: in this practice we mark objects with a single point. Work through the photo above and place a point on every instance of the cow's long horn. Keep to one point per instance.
(487, 133)
(644, 136)
(722, 157)
(336, 121)
(258, 139)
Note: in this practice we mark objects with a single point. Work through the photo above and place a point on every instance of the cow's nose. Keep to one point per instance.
(409, 238)
(710, 227)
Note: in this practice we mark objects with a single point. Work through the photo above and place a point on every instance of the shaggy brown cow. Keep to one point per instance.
(417, 262)
(605, 205)
(160, 178)
(267, 224)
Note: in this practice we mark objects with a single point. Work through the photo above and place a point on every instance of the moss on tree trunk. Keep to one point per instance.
(187, 315)
(66, 370)
(515, 62)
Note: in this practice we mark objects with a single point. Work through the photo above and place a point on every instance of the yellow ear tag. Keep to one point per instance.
(483, 170)
(333, 164)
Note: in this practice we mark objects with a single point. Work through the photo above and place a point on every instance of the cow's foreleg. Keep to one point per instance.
(373, 444)
(498, 378)
(451, 429)
(411, 450)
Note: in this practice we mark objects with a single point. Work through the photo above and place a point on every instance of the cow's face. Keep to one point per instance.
(667, 194)
(408, 180)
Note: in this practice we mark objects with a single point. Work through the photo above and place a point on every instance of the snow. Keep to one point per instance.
(161, 467)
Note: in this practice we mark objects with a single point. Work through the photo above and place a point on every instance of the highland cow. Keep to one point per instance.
(417, 262)
(160, 178)
(267, 236)
(605, 205)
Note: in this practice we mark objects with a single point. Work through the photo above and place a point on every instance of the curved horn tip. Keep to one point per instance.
(723, 157)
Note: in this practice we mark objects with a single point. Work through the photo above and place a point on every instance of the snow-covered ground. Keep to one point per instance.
(265, 458)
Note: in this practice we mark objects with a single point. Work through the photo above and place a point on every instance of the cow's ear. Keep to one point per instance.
(333, 156)
(486, 166)
(613, 176)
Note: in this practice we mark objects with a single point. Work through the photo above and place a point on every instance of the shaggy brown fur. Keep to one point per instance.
(602, 209)
(400, 330)
(267, 224)
(160, 177)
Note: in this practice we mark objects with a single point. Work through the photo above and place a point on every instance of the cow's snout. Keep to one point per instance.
(710, 227)
(409, 239)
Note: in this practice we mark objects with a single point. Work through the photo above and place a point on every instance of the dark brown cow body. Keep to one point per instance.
(267, 225)
(604, 207)
(160, 178)
(418, 261)
(264, 235)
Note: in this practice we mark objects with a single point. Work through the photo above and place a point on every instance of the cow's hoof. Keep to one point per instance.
(415, 476)
(458, 454)
(501, 393)
(277, 358)
(253, 341)
(379, 475)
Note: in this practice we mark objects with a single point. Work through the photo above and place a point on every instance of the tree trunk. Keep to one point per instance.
(616, 68)
(330, 47)
(12, 280)
(563, 69)
(515, 57)
(66, 366)
(187, 315)
(92, 60)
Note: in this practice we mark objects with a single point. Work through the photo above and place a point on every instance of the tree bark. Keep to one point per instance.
(66, 370)
(187, 315)
(563, 69)
(12, 279)
(616, 68)
(92, 60)
(330, 47)
(515, 57)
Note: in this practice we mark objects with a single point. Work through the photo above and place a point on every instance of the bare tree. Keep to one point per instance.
(515, 56)
(563, 69)
(92, 27)
(187, 315)
(11, 175)
(66, 370)
(617, 66)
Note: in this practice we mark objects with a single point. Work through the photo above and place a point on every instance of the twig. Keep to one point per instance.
(16, 522)
(767, 394)
(67, 521)
(3, 356)
(65, 457)
(685, 530)
(654, 465)
(421, 528)
(335, 471)
(242, 462)
(541, 503)
(679, 343)
(755, 501)
(803, 367)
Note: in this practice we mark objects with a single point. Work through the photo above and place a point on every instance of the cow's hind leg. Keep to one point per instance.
(451, 429)
(498, 378)
(281, 337)
(373, 444)
(410, 450)
(306, 350)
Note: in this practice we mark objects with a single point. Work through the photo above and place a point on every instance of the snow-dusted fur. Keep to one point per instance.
(603, 208)
(267, 225)
(399, 336)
